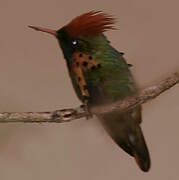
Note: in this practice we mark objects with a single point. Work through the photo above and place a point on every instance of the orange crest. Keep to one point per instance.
(90, 24)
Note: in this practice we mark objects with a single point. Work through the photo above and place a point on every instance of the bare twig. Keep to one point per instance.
(67, 115)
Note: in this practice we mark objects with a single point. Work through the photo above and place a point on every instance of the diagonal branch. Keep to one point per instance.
(67, 115)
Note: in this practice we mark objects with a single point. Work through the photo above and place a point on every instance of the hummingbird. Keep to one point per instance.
(100, 75)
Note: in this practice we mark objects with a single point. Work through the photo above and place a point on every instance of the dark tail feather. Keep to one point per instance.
(126, 132)
(139, 150)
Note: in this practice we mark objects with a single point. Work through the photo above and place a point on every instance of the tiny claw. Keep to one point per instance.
(87, 111)
(129, 65)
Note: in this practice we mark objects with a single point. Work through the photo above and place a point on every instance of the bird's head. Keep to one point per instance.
(83, 33)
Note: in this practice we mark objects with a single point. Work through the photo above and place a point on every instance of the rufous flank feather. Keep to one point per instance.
(90, 24)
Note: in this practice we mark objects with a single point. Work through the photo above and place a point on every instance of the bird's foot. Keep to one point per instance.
(87, 111)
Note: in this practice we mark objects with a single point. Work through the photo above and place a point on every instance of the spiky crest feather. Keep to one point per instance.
(90, 24)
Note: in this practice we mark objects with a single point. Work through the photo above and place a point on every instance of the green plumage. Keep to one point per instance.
(113, 76)
(111, 82)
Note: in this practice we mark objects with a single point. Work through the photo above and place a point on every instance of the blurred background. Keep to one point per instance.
(33, 77)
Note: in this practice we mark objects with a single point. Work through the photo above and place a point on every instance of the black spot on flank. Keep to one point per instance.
(79, 78)
(85, 87)
(85, 63)
(99, 65)
(77, 64)
(122, 53)
(80, 55)
(93, 67)
(85, 97)
(90, 57)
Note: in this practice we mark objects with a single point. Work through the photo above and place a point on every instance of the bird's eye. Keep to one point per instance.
(74, 42)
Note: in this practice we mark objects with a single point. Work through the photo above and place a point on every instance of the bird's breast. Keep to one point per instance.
(100, 80)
